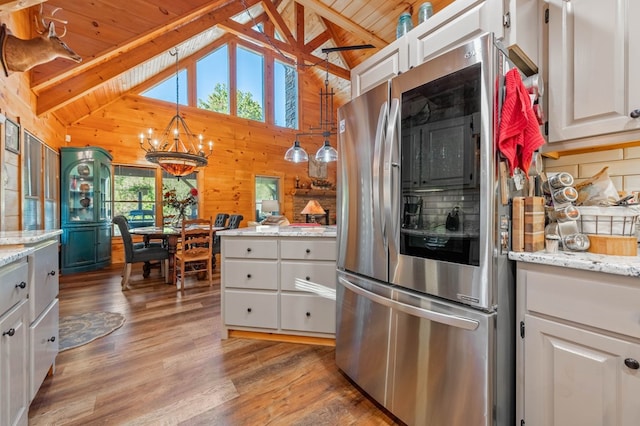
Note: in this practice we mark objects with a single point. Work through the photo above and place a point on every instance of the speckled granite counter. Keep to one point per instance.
(619, 265)
(15, 245)
(281, 231)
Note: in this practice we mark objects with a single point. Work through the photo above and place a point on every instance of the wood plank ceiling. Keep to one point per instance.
(125, 43)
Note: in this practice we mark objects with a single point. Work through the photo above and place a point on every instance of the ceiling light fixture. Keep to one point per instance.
(178, 151)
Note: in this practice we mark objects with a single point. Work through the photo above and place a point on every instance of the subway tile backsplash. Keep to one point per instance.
(624, 166)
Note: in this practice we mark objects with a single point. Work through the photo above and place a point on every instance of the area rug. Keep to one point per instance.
(78, 330)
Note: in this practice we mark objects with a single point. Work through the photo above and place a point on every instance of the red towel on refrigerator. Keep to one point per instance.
(519, 133)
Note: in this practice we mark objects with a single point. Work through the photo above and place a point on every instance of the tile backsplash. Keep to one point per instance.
(624, 166)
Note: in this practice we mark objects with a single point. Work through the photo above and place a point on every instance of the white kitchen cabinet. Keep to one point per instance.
(385, 64)
(453, 26)
(593, 64)
(279, 284)
(14, 344)
(578, 362)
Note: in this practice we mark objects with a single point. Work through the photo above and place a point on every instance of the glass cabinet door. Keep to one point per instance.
(81, 192)
(105, 193)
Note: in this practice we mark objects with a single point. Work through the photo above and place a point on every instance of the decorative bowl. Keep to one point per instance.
(84, 187)
(85, 202)
(84, 170)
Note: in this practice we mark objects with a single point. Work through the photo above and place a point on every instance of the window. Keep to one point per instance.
(183, 186)
(32, 183)
(250, 93)
(134, 195)
(212, 81)
(285, 92)
(267, 188)
(166, 91)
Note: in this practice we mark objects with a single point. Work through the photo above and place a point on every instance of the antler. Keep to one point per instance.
(42, 20)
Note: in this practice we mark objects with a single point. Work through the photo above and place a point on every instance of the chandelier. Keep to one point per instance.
(326, 128)
(178, 151)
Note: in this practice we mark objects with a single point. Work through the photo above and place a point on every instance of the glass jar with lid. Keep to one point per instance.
(405, 24)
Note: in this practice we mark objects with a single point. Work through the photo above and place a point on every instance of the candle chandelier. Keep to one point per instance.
(178, 151)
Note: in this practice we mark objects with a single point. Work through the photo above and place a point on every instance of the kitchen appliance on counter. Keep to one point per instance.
(425, 293)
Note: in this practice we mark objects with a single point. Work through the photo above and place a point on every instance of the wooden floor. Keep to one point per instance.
(168, 366)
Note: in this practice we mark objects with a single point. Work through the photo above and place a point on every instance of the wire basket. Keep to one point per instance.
(608, 220)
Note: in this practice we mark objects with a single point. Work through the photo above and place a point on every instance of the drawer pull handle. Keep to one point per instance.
(52, 273)
(308, 314)
(632, 363)
(248, 275)
(22, 285)
(308, 251)
(307, 278)
(52, 339)
(248, 249)
(249, 310)
(9, 333)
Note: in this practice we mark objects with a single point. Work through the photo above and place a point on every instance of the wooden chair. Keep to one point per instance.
(196, 251)
(134, 254)
(221, 220)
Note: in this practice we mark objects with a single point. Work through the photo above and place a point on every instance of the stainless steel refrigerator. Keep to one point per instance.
(425, 294)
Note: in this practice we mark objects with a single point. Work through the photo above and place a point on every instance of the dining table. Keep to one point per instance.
(169, 234)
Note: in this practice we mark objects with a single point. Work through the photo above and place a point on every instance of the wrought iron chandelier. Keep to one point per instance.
(326, 128)
(178, 151)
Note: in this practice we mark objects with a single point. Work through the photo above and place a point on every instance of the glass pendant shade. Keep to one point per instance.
(296, 153)
(326, 153)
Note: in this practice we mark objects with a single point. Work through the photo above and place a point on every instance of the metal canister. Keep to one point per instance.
(425, 12)
(567, 194)
(560, 180)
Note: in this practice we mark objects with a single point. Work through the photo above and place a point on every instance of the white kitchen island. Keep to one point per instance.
(578, 349)
(278, 283)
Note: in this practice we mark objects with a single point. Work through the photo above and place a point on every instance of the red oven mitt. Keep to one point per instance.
(519, 134)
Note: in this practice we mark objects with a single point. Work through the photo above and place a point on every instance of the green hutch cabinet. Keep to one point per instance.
(86, 205)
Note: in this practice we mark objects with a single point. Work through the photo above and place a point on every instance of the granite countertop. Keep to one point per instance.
(8, 238)
(8, 255)
(281, 231)
(619, 265)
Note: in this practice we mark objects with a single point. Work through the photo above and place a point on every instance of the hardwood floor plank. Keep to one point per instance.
(167, 365)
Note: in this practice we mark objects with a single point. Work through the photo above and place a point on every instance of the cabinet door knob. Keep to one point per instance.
(51, 339)
(635, 113)
(9, 333)
(22, 285)
(249, 249)
(308, 250)
(52, 273)
(248, 275)
(632, 363)
(249, 310)
(308, 314)
(307, 278)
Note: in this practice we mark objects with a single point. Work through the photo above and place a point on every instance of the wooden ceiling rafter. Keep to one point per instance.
(278, 22)
(119, 49)
(8, 6)
(336, 39)
(75, 87)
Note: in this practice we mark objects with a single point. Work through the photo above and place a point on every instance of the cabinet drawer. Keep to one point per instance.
(251, 308)
(250, 248)
(44, 270)
(12, 278)
(321, 272)
(250, 274)
(44, 345)
(609, 302)
(304, 312)
(309, 249)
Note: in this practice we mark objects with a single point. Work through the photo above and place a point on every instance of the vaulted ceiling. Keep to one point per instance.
(125, 43)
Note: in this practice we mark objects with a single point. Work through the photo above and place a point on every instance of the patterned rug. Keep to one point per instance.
(78, 330)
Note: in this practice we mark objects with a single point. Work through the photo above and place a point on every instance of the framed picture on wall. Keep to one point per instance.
(12, 136)
(317, 169)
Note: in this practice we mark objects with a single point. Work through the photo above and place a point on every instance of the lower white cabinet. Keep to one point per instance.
(14, 344)
(279, 284)
(578, 354)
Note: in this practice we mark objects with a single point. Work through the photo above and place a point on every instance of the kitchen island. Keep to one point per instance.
(578, 350)
(28, 317)
(278, 283)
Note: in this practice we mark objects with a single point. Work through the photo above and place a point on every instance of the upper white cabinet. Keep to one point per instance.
(389, 62)
(594, 72)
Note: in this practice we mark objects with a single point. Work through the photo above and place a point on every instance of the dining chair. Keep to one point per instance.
(234, 222)
(195, 255)
(221, 220)
(134, 254)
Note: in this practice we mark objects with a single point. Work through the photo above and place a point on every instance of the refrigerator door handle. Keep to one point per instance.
(389, 210)
(377, 161)
(451, 320)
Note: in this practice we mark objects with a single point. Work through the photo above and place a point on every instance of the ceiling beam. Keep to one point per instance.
(76, 86)
(8, 6)
(276, 19)
(335, 17)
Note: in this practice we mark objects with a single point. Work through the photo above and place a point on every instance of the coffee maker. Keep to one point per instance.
(412, 212)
